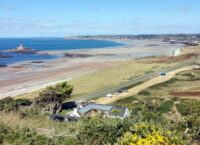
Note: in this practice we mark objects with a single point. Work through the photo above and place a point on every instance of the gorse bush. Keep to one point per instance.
(147, 134)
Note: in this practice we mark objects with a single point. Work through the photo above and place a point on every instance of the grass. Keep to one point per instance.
(110, 77)
(124, 88)
(40, 123)
(163, 84)
(126, 100)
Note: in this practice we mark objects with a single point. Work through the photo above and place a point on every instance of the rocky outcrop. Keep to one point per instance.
(22, 49)
(4, 56)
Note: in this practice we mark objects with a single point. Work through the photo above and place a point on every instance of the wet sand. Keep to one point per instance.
(31, 76)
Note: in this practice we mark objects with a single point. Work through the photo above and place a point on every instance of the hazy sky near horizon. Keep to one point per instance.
(51, 18)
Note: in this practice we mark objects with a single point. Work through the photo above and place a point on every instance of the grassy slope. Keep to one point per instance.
(111, 77)
(41, 124)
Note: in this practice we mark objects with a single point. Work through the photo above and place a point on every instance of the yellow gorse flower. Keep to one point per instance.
(148, 137)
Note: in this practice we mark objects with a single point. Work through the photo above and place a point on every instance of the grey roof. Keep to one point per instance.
(121, 114)
(89, 107)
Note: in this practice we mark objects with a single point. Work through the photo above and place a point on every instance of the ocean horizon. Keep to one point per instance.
(46, 44)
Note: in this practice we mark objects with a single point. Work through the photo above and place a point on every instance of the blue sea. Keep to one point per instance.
(46, 44)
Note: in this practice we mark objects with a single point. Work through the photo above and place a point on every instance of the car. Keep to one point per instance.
(120, 91)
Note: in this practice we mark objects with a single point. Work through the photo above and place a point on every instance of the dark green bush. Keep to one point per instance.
(144, 93)
(166, 106)
(23, 102)
(9, 104)
(175, 98)
(126, 100)
(20, 137)
(136, 110)
(99, 130)
(189, 107)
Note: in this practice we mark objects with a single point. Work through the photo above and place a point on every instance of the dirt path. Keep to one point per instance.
(137, 89)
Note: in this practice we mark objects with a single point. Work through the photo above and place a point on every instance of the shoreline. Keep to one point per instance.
(126, 44)
(30, 76)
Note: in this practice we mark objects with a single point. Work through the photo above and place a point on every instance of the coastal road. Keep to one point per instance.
(133, 82)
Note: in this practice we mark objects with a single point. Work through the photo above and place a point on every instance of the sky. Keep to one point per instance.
(61, 18)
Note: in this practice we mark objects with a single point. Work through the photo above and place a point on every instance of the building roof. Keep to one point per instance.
(121, 114)
(89, 107)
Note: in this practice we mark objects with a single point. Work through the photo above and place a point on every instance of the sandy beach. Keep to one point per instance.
(30, 76)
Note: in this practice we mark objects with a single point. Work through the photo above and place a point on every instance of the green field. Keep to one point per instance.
(112, 76)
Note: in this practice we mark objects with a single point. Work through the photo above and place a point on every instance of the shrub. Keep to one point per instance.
(23, 102)
(136, 110)
(175, 98)
(144, 93)
(148, 134)
(166, 106)
(54, 96)
(116, 111)
(99, 130)
(188, 107)
(151, 116)
(23, 136)
(8, 104)
(126, 100)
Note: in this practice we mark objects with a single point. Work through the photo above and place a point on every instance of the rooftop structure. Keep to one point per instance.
(106, 110)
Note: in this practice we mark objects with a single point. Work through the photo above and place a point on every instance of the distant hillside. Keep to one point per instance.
(162, 37)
